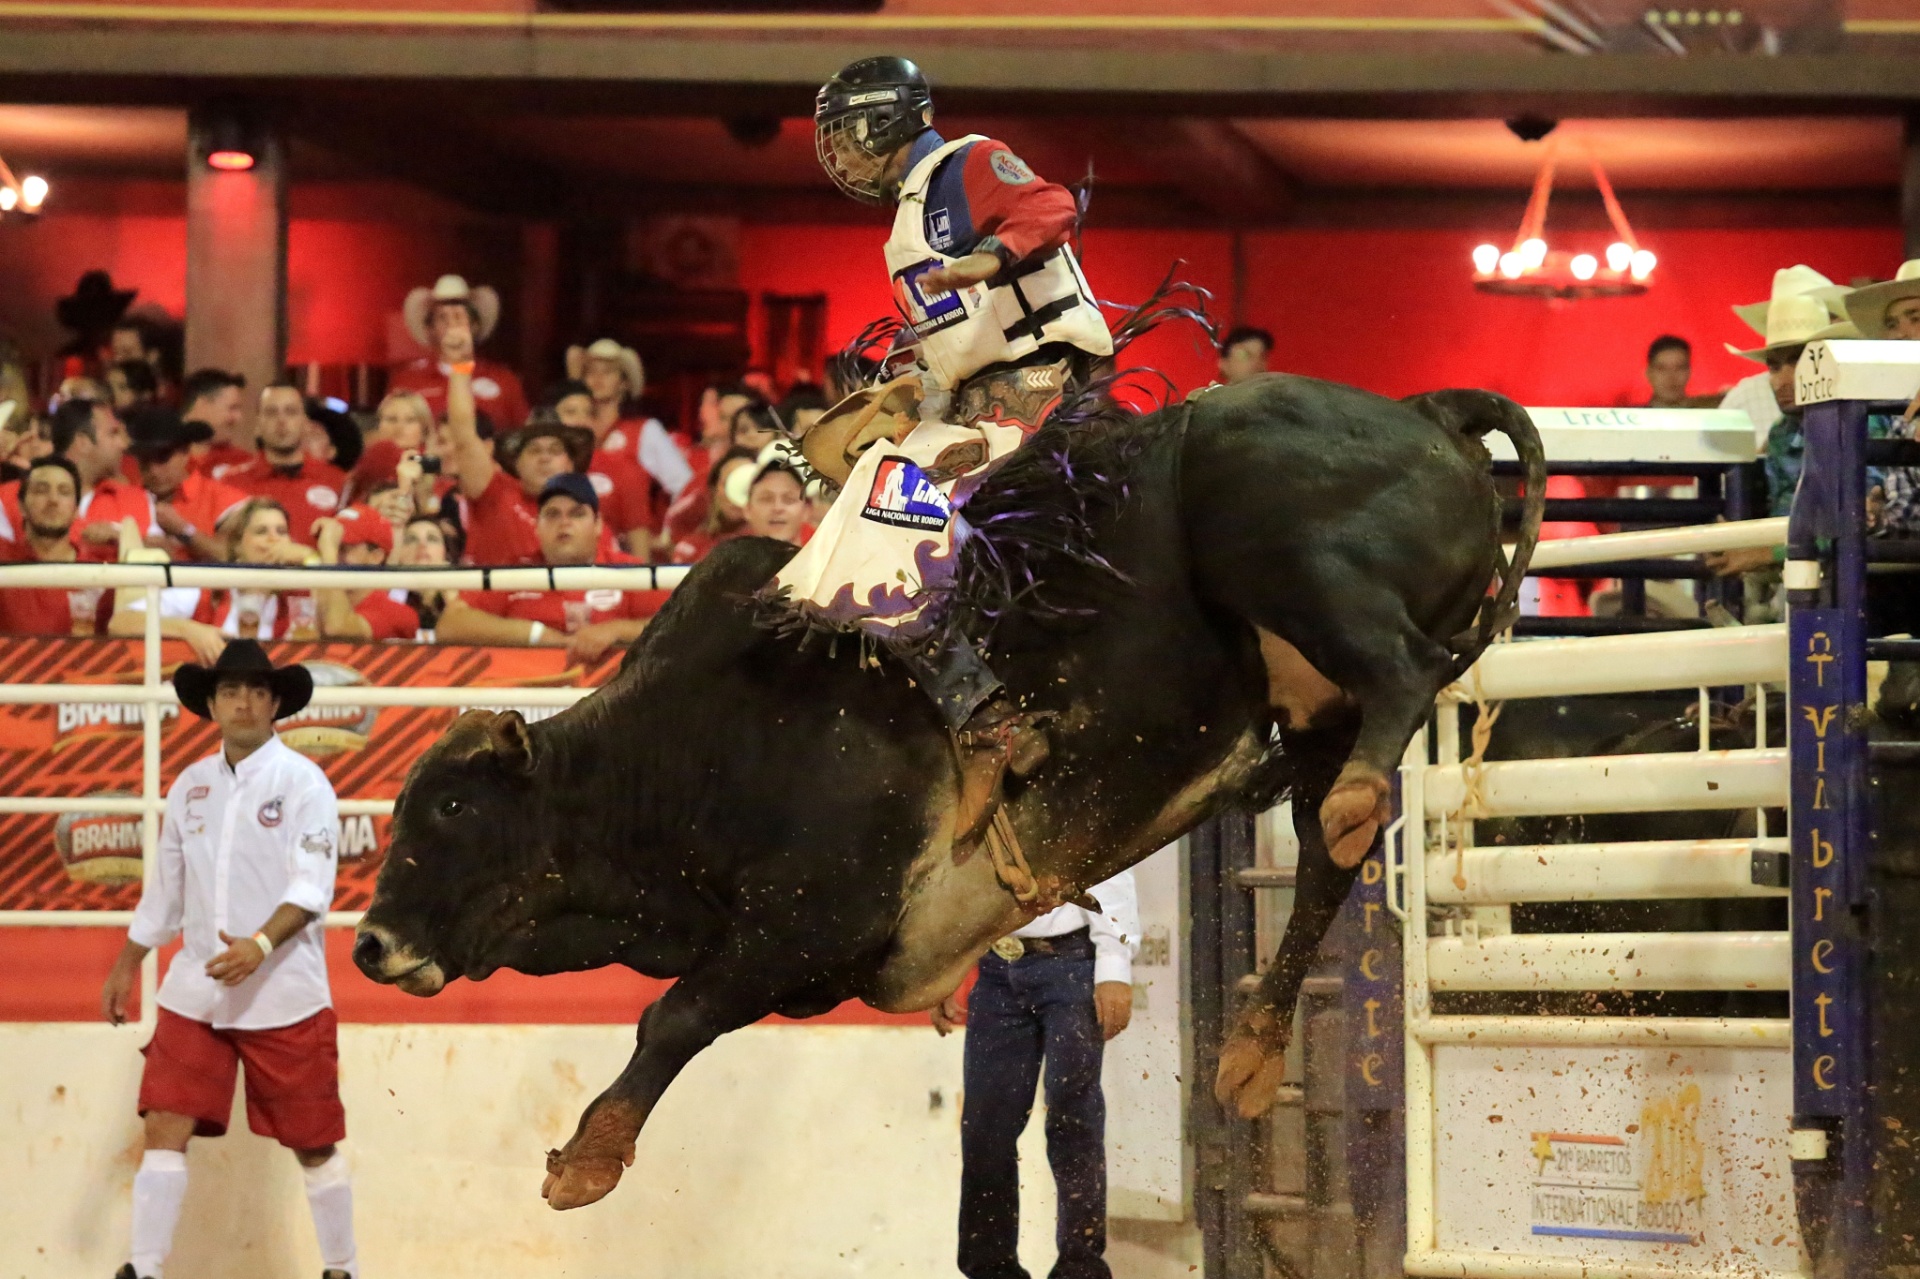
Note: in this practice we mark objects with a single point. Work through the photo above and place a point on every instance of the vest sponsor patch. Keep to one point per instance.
(1010, 168)
(904, 497)
(940, 229)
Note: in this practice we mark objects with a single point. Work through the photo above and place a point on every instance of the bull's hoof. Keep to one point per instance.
(1352, 814)
(1252, 1065)
(578, 1183)
(590, 1166)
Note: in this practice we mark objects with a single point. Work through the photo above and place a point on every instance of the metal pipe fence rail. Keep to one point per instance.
(152, 693)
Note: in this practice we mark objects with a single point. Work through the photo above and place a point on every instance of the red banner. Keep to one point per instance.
(92, 861)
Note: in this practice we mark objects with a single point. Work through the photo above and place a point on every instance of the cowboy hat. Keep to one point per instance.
(94, 303)
(346, 436)
(1790, 282)
(1795, 321)
(577, 440)
(1867, 306)
(292, 685)
(418, 308)
(154, 430)
(607, 349)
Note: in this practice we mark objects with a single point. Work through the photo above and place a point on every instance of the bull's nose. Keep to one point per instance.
(369, 952)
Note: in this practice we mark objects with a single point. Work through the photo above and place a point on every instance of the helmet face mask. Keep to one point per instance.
(865, 114)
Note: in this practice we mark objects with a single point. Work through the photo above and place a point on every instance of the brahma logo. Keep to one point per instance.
(100, 848)
(322, 498)
(904, 497)
(322, 731)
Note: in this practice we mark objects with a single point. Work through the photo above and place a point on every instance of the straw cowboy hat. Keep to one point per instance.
(1795, 321)
(607, 349)
(1793, 281)
(292, 685)
(419, 305)
(1867, 307)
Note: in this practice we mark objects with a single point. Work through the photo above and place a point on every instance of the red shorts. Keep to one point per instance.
(293, 1078)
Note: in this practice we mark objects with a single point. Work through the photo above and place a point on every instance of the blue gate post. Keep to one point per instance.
(1376, 1096)
(1829, 829)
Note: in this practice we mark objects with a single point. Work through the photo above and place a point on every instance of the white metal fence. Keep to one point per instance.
(152, 692)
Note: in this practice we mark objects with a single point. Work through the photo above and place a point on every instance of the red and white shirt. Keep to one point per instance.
(309, 489)
(496, 390)
(571, 611)
(502, 525)
(49, 610)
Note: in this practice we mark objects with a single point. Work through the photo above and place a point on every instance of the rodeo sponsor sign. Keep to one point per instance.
(1641, 1156)
(92, 861)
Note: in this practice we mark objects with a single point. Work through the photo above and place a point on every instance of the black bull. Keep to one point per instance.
(1300, 567)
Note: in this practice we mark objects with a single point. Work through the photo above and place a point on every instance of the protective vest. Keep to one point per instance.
(1039, 301)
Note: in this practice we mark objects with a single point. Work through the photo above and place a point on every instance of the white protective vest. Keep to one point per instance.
(1046, 300)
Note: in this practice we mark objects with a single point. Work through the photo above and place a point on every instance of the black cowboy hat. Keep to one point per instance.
(577, 440)
(153, 430)
(292, 685)
(94, 305)
(348, 440)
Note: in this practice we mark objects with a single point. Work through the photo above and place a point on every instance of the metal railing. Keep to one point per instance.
(152, 693)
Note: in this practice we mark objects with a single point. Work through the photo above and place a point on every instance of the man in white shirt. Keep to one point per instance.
(244, 875)
(1057, 990)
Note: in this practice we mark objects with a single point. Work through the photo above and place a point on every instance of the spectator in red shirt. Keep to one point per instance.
(304, 487)
(587, 623)
(450, 320)
(502, 484)
(92, 437)
(206, 619)
(718, 408)
(724, 518)
(185, 507)
(424, 544)
(360, 537)
(132, 385)
(218, 398)
(332, 436)
(616, 379)
(405, 425)
(50, 497)
(776, 504)
(627, 493)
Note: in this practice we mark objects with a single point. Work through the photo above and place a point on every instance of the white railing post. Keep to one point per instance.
(150, 793)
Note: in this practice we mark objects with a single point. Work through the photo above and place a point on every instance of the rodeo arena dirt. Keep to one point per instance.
(630, 632)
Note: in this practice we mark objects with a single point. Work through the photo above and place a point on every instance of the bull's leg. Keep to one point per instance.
(1253, 1059)
(732, 990)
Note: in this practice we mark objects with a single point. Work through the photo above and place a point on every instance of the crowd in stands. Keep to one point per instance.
(455, 467)
(458, 466)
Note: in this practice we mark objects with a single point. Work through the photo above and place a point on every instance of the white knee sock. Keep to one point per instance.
(158, 1188)
(330, 1196)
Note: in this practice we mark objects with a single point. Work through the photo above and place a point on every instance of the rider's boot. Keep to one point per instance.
(991, 734)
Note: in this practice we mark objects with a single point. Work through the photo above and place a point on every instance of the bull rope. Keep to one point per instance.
(1473, 800)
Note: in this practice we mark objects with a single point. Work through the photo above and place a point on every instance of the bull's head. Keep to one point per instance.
(468, 874)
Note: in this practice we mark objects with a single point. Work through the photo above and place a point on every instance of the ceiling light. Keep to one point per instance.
(1532, 269)
(33, 191)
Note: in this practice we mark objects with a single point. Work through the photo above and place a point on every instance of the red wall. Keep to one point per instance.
(1393, 311)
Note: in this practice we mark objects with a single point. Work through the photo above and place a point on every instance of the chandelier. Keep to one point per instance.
(21, 196)
(1531, 269)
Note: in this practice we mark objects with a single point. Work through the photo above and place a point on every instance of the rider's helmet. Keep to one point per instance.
(863, 115)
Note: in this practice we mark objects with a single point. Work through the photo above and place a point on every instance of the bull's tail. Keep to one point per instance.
(1472, 414)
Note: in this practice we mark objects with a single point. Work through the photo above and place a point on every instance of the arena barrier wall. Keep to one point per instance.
(1557, 1146)
(837, 1138)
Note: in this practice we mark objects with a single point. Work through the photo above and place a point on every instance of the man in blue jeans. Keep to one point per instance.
(1056, 991)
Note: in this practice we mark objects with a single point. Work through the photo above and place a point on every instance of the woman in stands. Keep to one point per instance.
(208, 618)
(726, 518)
(425, 543)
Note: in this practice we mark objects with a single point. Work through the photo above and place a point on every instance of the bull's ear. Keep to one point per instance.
(512, 743)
